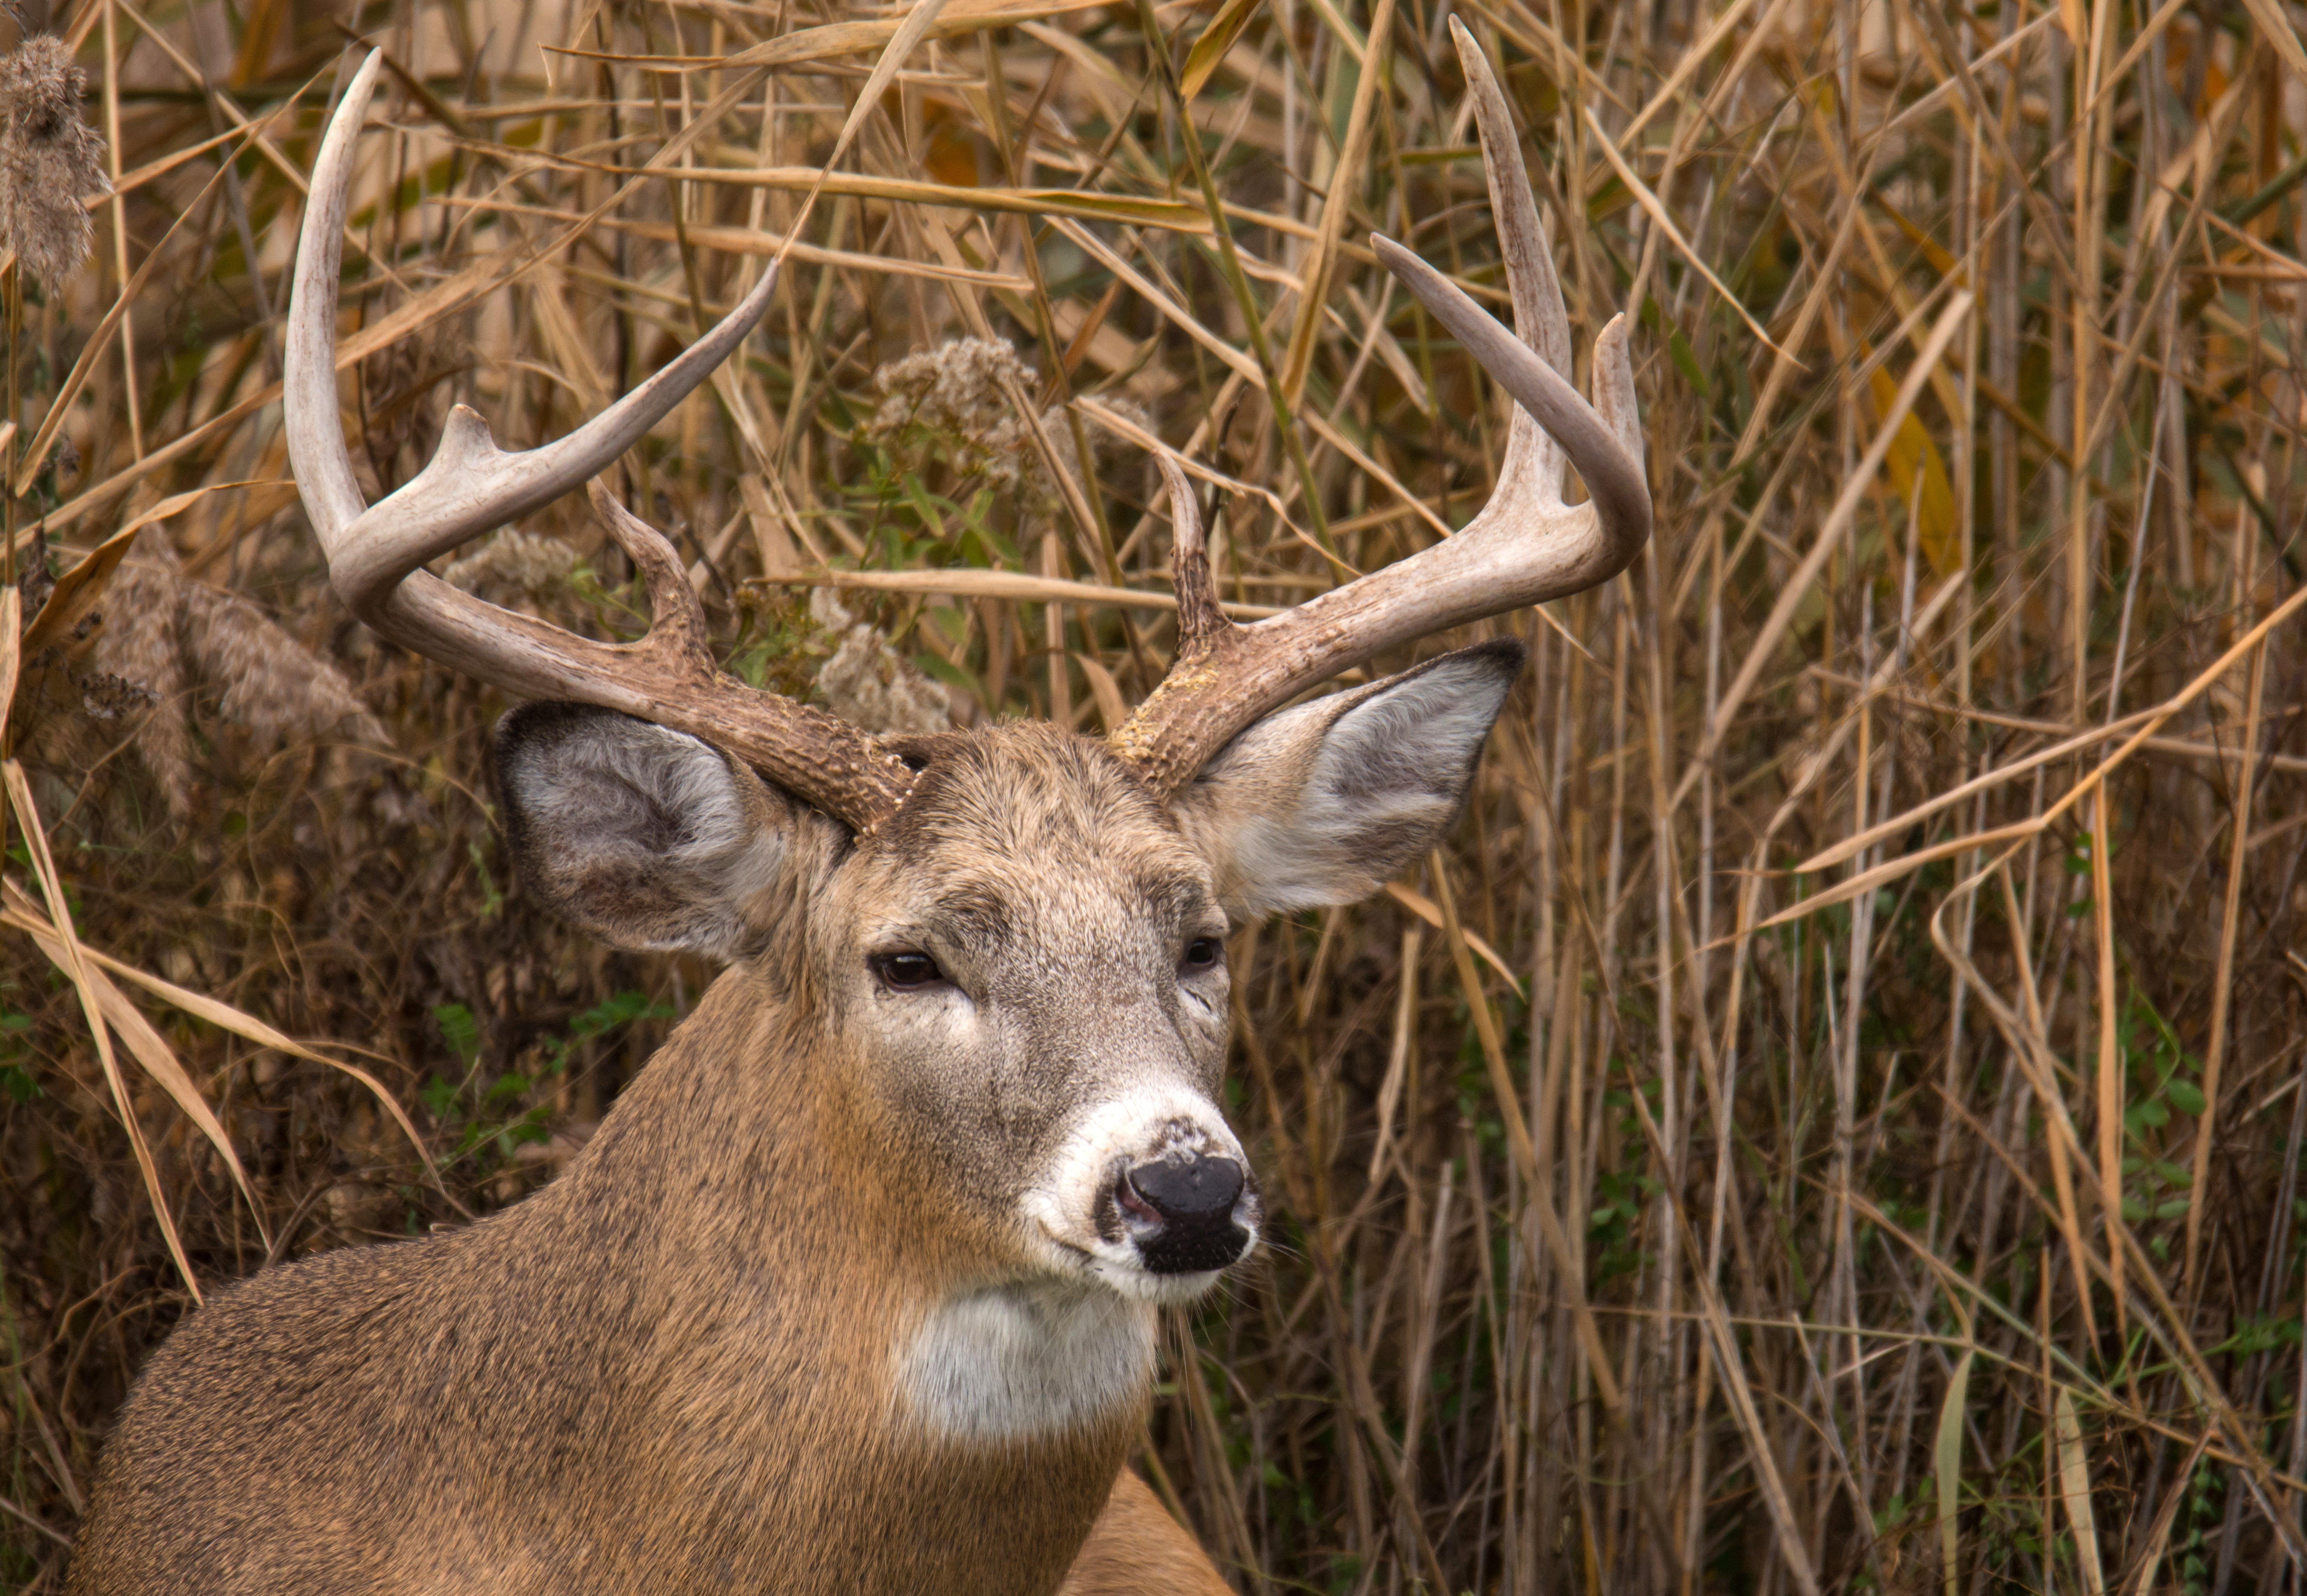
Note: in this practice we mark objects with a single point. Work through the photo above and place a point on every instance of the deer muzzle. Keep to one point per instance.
(1149, 1193)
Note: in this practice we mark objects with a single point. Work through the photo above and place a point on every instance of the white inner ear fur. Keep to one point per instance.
(722, 836)
(651, 836)
(1322, 803)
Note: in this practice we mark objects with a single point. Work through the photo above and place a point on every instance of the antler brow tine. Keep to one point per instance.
(471, 487)
(1525, 547)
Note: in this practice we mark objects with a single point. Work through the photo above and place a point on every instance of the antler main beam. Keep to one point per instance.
(1525, 547)
(375, 552)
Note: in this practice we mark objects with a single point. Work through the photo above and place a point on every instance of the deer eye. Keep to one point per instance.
(906, 971)
(1202, 955)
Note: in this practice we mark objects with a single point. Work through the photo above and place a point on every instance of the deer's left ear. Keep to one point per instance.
(1324, 802)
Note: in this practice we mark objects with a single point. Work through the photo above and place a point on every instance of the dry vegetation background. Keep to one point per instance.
(1831, 1119)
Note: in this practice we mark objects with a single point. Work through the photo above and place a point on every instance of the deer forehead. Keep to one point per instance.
(1032, 840)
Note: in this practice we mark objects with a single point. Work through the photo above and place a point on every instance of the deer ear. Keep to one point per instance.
(647, 838)
(1322, 803)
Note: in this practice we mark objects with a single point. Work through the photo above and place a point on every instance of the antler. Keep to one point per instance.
(1525, 547)
(471, 485)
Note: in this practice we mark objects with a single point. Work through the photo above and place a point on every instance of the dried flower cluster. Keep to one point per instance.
(514, 566)
(50, 161)
(956, 395)
(164, 635)
(869, 684)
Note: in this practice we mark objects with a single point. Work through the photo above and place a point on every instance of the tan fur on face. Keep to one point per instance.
(1057, 897)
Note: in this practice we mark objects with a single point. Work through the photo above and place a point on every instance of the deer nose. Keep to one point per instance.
(1184, 1214)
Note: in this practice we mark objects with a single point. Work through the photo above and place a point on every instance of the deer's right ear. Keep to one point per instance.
(646, 837)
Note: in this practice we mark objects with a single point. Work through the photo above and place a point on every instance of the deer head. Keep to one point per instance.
(1005, 947)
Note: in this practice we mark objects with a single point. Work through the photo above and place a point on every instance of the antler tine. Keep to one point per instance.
(308, 385)
(676, 619)
(375, 555)
(470, 485)
(1525, 547)
(1204, 633)
(1532, 456)
(1200, 622)
(1603, 440)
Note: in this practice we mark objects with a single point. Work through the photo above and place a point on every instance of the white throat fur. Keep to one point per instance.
(1026, 1358)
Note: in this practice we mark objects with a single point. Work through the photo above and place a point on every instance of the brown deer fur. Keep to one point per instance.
(678, 1367)
(675, 1423)
(1137, 1546)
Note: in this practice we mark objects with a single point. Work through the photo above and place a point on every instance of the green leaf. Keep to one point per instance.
(460, 1030)
(938, 667)
(917, 497)
(622, 1009)
(2185, 1096)
(438, 1095)
(610, 1014)
(992, 549)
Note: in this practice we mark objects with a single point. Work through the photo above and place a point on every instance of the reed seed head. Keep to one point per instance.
(50, 161)
(165, 635)
(514, 567)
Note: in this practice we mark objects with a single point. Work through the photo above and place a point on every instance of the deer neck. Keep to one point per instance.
(788, 1285)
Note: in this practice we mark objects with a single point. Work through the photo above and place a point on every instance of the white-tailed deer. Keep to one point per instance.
(855, 1288)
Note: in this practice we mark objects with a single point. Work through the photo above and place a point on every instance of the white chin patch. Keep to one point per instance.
(1027, 1358)
(1070, 1218)
(1131, 1278)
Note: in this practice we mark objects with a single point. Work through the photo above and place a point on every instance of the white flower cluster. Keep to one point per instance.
(956, 393)
(513, 565)
(869, 685)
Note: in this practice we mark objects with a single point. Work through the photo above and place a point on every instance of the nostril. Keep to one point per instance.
(1134, 1204)
(1192, 1191)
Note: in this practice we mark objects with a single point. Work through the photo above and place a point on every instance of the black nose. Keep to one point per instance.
(1191, 1202)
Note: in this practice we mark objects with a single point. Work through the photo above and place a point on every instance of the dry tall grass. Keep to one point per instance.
(1831, 1119)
